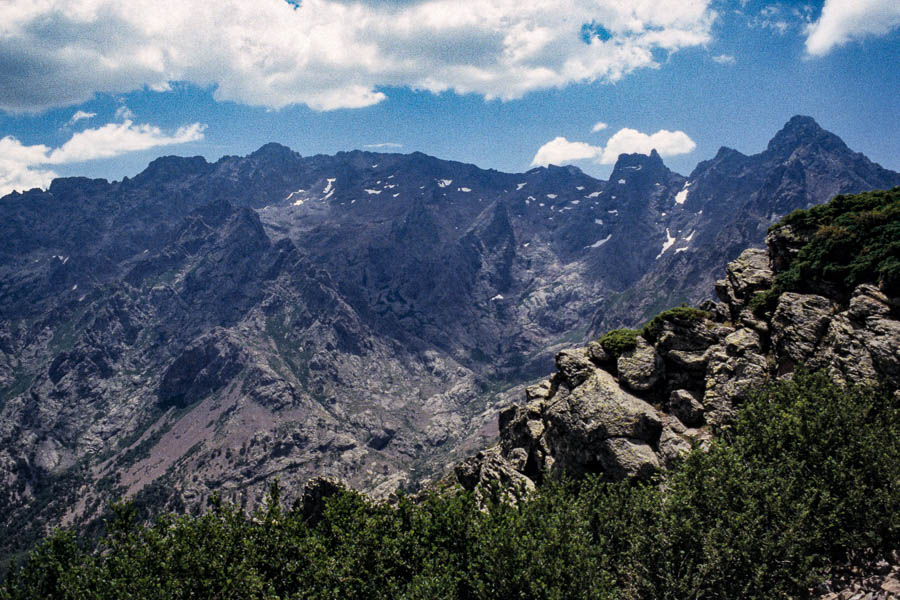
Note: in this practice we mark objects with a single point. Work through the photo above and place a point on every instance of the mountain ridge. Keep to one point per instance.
(363, 315)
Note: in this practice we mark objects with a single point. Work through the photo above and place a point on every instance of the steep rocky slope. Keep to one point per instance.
(632, 402)
(208, 327)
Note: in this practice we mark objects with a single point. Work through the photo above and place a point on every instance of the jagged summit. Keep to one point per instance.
(801, 131)
(649, 168)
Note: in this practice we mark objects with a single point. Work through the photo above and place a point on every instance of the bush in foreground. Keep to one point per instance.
(808, 476)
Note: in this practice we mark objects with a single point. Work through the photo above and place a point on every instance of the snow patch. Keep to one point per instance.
(613, 212)
(598, 221)
(677, 250)
(519, 186)
(593, 194)
(498, 297)
(444, 182)
(621, 182)
(464, 189)
(540, 204)
(298, 201)
(368, 191)
(667, 244)
(330, 186)
(580, 188)
(74, 287)
(551, 196)
(688, 238)
(395, 195)
(375, 166)
(681, 196)
(576, 201)
(599, 243)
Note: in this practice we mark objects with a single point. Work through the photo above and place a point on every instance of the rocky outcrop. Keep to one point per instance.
(690, 369)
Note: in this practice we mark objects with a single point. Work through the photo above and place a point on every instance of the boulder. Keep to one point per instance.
(640, 368)
(490, 467)
(574, 366)
(579, 430)
(799, 322)
(747, 274)
(729, 381)
(686, 406)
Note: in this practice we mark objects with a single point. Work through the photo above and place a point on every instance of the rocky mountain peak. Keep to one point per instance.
(801, 131)
(168, 168)
(649, 168)
(275, 151)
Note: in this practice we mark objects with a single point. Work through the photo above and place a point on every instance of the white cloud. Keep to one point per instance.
(843, 21)
(599, 126)
(114, 139)
(80, 115)
(385, 145)
(18, 166)
(329, 54)
(23, 167)
(630, 141)
(560, 151)
(725, 59)
(124, 113)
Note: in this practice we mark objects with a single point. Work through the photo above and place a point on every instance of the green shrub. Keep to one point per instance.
(809, 475)
(850, 240)
(681, 313)
(618, 341)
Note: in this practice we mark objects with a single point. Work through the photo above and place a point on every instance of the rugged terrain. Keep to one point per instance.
(210, 327)
(634, 402)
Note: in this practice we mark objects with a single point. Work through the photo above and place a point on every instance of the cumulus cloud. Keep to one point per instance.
(385, 145)
(114, 139)
(599, 126)
(80, 115)
(560, 151)
(843, 21)
(631, 141)
(725, 59)
(24, 167)
(331, 54)
(20, 166)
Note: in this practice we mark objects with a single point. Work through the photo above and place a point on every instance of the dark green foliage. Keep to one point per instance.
(807, 476)
(851, 240)
(681, 313)
(618, 341)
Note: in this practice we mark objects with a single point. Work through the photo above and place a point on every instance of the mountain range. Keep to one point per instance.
(207, 327)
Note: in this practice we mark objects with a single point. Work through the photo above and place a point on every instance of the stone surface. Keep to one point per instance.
(640, 368)
(686, 406)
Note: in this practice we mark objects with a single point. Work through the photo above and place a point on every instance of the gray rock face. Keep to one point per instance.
(641, 368)
(686, 406)
(800, 321)
(596, 415)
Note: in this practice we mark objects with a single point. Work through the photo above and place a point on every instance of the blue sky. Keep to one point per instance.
(101, 87)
